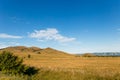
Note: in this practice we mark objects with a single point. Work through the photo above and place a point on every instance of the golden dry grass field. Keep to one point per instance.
(102, 66)
(50, 58)
(54, 60)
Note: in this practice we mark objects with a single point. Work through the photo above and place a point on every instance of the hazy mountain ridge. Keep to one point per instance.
(107, 54)
(111, 54)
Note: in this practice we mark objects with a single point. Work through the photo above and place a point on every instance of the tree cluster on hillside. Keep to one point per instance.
(88, 55)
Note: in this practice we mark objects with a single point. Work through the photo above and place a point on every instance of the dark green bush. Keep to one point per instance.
(38, 52)
(11, 64)
(29, 56)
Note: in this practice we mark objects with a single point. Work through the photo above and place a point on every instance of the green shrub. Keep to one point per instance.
(11, 64)
(29, 56)
(38, 52)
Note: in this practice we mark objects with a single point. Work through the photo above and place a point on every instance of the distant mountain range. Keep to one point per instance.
(107, 54)
(112, 54)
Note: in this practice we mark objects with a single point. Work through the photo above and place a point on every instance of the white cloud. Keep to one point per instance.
(3, 35)
(50, 34)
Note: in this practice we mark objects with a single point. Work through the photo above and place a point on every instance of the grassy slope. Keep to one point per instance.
(57, 65)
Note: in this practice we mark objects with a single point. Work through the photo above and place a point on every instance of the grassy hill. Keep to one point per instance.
(38, 57)
(24, 51)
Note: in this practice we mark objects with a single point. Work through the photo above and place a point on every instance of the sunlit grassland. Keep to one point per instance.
(72, 62)
(59, 66)
(76, 68)
(72, 68)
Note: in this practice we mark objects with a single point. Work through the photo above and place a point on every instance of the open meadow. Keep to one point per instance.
(107, 68)
(56, 65)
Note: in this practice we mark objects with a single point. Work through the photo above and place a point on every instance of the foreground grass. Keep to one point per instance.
(75, 75)
(72, 74)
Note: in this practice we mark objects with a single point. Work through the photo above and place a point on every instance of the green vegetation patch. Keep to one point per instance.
(10, 64)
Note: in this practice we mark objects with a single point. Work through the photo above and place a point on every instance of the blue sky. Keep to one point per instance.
(74, 26)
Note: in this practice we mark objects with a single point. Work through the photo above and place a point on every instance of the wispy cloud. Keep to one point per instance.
(3, 35)
(118, 29)
(50, 34)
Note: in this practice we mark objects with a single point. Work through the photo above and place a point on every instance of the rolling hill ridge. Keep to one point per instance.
(24, 51)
